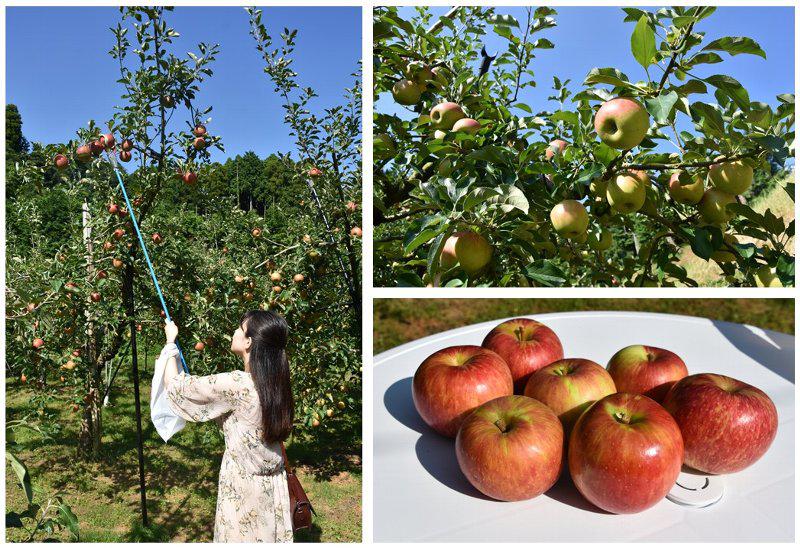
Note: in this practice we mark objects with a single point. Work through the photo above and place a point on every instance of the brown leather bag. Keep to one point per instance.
(298, 500)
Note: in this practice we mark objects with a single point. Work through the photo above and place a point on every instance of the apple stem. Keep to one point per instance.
(518, 332)
(501, 424)
(622, 417)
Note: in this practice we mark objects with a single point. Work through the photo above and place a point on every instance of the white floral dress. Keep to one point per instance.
(253, 497)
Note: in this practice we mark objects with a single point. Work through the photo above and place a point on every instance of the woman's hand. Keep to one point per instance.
(171, 331)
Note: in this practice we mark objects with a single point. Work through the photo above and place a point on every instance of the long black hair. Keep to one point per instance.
(269, 368)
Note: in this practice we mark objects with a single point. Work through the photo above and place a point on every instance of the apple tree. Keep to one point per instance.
(475, 187)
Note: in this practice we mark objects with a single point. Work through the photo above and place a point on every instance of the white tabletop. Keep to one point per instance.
(421, 495)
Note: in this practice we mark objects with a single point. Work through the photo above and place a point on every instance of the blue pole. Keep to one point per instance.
(144, 250)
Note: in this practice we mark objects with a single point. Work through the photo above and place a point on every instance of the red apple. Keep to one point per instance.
(200, 130)
(117, 263)
(199, 143)
(97, 147)
(727, 425)
(113, 209)
(38, 343)
(61, 161)
(157, 239)
(118, 234)
(526, 346)
(102, 274)
(167, 101)
(199, 347)
(445, 115)
(351, 206)
(127, 145)
(452, 382)
(314, 172)
(96, 297)
(647, 370)
(108, 246)
(125, 156)
(356, 231)
(256, 232)
(298, 278)
(189, 178)
(555, 148)
(84, 153)
(510, 448)
(570, 386)
(625, 453)
(108, 140)
(622, 123)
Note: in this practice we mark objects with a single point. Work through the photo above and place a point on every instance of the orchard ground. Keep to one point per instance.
(181, 475)
(398, 321)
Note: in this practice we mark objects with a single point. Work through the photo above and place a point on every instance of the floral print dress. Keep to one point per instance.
(253, 496)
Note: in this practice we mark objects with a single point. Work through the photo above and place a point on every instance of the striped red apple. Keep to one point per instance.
(648, 370)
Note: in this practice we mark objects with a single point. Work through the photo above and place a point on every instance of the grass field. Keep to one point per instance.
(397, 321)
(707, 273)
(181, 475)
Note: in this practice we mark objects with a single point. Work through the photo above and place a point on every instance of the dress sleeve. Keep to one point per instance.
(200, 399)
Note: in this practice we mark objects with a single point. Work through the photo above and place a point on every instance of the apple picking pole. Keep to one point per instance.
(350, 287)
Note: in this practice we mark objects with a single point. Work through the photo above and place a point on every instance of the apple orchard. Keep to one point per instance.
(223, 238)
(475, 187)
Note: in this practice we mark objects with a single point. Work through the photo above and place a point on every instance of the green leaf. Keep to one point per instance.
(510, 198)
(732, 88)
(660, 107)
(710, 117)
(607, 76)
(503, 21)
(545, 273)
(643, 42)
(22, 474)
(773, 224)
(736, 45)
(435, 252)
(692, 86)
(422, 230)
(703, 58)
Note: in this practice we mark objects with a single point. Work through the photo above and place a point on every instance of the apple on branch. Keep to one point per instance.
(731, 177)
(686, 193)
(569, 219)
(469, 249)
(622, 123)
(445, 115)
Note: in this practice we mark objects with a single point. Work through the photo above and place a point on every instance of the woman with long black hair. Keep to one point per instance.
(255, 409)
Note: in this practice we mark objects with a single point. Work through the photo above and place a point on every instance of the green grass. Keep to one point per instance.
(708, 273)
(397, 321)
(181, 476)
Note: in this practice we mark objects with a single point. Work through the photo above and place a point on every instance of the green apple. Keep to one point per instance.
(444, 115)
(406, 92)
(627, 191)
(439, 134)
(731, 177)
(621, 123)
(555, 148)
(469, 249)
(601, 239)
(569, 219)
(690, 193)
(598, 188)
(713, 206)
(725, 255)
(420, 73)
(383, 146)
(766, 277)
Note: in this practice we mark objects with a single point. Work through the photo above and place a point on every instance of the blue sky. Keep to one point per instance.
(60, 75)
(588, 37)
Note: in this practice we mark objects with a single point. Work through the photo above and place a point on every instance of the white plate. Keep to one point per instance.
(421, 495)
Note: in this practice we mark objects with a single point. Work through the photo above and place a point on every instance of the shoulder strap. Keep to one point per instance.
(285, 459)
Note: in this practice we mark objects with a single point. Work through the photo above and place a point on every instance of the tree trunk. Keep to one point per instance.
(91, 424)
